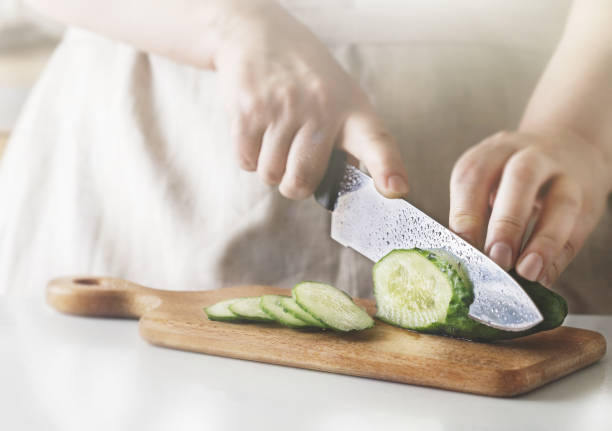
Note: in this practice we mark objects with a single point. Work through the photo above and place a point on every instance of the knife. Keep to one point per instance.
(373, 225)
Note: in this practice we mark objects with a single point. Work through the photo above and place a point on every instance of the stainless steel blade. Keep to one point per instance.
(373, 225)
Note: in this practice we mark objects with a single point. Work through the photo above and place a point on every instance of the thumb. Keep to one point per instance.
(364, 137)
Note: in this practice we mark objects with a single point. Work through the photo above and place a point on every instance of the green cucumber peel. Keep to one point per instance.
(331, 306)
(249, 309)
(271, 305)
(293, 308)
(221, 312)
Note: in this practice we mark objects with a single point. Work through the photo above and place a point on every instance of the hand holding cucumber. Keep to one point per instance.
(562, 173)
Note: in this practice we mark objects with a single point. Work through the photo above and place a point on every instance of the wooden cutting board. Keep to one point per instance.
(176, 319)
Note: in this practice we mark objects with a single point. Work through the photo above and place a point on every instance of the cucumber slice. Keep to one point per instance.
(331, 306)
(271, 305)
(249, 309)
(292, 307)
(221, 312)
(410, 290)
(428, 291)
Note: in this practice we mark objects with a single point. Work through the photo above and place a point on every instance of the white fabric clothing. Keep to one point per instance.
(121, 163)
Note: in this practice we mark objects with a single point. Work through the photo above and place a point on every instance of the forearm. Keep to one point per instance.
(188, 31)
(575, 91)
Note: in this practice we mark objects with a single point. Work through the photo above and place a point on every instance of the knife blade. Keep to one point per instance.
(373, 225)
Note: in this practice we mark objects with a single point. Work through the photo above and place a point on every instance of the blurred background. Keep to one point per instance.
(26, 43)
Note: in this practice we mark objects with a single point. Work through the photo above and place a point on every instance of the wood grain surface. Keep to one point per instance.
(176, 320)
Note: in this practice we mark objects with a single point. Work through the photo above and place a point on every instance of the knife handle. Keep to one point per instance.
(327, 192)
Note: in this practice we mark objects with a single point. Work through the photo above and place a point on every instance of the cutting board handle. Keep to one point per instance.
(102, 296)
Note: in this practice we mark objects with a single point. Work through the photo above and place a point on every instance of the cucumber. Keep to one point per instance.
(221, 312)
(331, 306)
(428, 292)
(271, 305)
(249, 309)
(553, 306)
(292, 307)
(410, 290)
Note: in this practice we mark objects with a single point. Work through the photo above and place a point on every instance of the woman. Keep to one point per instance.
(123, 162)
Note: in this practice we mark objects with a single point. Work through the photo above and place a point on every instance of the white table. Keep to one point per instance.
(73, 373)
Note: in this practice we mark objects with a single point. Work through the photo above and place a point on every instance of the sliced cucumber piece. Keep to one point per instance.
(292, 307)
(249, 309)
(221, 312)
(331, 306)
(411, 291)
(271, 305)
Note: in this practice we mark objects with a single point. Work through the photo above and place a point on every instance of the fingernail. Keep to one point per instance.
(501, 253)
(397, 184)
(531, 266)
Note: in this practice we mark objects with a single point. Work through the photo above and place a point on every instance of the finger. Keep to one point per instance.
(274, 151)
(279, 134)
(307, 160)
(246, 131)
(588, 220)
(552, 231)
(492, 197)
(523, 176)
(364, 137)
(472, 181)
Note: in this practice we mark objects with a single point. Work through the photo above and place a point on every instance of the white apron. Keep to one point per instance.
(121, 163)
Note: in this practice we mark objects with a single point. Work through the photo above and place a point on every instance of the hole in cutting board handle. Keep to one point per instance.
(87, 281)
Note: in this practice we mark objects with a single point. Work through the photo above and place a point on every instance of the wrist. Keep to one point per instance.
(239, 27)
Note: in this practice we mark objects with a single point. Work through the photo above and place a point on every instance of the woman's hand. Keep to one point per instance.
(496, 185)
(290, 103)
(560, 161)
(288, 99)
